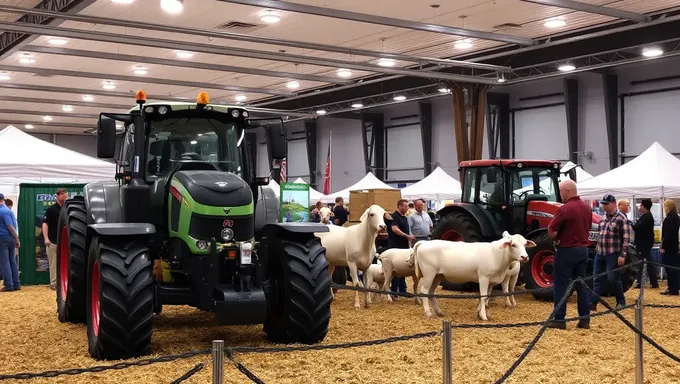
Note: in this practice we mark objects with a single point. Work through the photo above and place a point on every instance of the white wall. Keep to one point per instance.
(347, 151)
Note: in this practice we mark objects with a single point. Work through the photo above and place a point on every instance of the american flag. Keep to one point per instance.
(327, 179)
(283, 170)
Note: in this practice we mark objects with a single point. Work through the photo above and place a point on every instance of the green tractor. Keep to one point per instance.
(187, 223)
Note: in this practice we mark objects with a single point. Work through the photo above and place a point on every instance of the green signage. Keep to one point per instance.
(294, 202)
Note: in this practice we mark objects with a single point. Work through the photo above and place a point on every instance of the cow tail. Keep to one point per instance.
(419, 273)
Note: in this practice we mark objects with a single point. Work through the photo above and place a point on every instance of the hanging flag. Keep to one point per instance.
(283, 170)
(327, 179)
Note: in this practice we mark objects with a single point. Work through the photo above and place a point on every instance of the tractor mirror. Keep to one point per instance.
(278, 142)
(106, 137)
(491, 175)
(262, 180)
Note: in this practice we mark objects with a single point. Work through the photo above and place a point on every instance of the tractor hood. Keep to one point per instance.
(546, 210)
(215, 188)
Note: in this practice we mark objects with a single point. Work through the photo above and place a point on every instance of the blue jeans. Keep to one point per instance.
(570, 264)
(398, 284)
(8, 263)
(608, 263)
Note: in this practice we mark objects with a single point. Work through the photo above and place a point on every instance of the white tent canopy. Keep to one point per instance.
(652, 174)
(581, 174)
(27, 159)
(438, 185)
(275, 187)
(314, 195)
(368, 182)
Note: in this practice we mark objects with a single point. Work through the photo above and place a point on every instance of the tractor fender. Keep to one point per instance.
(102, 202)
(266, 208)
(486, 222)
(122, 229)
(274, 228)
(535, 233)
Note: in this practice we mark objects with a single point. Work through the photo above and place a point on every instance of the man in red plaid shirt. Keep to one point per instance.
(611, 251)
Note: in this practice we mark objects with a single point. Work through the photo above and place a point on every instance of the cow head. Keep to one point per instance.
(517, 245)
(326, 214)
(375, 218)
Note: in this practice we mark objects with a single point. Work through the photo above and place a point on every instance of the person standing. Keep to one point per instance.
(644, 241)
(669, 247)
(612, 249)
(569, 230)
(419, 222)
(340, 212)
(49, 231)
(398, 236)
(9, 243)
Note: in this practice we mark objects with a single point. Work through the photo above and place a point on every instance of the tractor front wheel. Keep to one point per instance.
(538, 272)
(458, 226)
(299, 309)
(120, 297)
(72, 262)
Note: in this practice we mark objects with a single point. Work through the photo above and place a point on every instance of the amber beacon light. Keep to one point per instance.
(203, 98)
(141, 96)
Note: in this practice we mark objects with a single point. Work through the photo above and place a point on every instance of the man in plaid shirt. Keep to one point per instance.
(612, 249)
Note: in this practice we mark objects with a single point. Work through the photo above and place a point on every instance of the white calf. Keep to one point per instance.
(374, 277)
(459, 262)
(400, 263)
(326, 215)
(354, 246)
(508, 285)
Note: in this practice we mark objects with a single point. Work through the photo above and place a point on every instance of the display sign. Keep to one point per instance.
(294, 202)
(42, 202)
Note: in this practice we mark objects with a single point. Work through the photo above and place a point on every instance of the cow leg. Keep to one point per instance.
(331, 269)
(367, 295)
(387, 272)
(415, 288)
(435, 303)
(483, 291)
(513, 283)
(488, 298)
(505, 284)
(425, 287)
(355, 283)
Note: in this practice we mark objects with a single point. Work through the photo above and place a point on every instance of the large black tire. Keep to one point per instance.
(458, 226)
(537, 272)
(120, 282)
(72, 262)
(299, 310)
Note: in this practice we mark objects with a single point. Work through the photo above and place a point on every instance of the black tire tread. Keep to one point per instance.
(72, 307)
(307, 298)
(126, 300)
(542, 241)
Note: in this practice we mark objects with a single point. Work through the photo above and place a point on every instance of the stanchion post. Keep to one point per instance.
(217, 361)
(447, 374)
(638, 343)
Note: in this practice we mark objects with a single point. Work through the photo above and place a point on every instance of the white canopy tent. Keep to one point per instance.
(314, 195)
(27, 159)
(438, 185)
(275, 187)
(652, 174)
(367, 182)
(581, 174)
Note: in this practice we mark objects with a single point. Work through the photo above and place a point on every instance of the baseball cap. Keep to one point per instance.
(608, 199)
(2, 197)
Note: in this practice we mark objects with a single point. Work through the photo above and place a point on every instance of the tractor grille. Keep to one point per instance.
(206, 227)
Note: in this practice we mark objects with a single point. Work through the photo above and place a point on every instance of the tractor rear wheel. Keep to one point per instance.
(299, 310)
(538, 272)
(458, 226)
(72, 262)
(120, 297)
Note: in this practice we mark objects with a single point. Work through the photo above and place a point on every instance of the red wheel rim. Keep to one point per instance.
(94, 298)
(539, 263)
(452, 235)
(63, 262)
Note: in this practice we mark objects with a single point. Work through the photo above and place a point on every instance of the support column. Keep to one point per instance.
(311, 142)
(498, 125)
(469, 144)
(503, 104)
(477, 94)
(460, 125)
(571, 107)
(373, 137)
(425, 112)
(610, 83)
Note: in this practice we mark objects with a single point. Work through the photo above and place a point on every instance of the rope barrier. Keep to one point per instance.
(242, 368)
(189, 373)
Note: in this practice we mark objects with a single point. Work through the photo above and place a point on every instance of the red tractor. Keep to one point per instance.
(518, 196)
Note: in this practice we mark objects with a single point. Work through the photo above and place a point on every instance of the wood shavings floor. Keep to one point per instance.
(34, 340)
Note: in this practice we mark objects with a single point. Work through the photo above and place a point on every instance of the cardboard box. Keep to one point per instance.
(359, 201)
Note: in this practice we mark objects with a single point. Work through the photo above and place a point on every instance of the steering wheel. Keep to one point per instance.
(190, 156)
(522, 195)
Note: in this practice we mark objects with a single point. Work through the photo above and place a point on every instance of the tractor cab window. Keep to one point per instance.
(491, 189)
(533, 181)
(196, 139)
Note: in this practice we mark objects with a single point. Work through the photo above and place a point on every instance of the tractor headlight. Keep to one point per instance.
(246, 253)
(202, 244)
(162, 109)
(227, 234)
(245, 114)
(148, 109)
(234, 113)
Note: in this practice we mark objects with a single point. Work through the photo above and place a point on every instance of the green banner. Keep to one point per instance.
(294, 202)
(42, 202)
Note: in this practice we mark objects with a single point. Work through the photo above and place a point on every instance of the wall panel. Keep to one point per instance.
(541, 133)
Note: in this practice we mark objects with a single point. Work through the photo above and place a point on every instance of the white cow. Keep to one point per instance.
(375, 277)
(399, 262)
(460, 262)
(354, 246)
(326, 215)
(508, 285)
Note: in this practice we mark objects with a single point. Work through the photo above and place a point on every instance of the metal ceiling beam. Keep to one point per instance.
(43, 124)
(53, 114)
(594, 9)
(388, 21)
(181, 64)
(137, 79)
(226, 51)
(34, 100)
(251, 39)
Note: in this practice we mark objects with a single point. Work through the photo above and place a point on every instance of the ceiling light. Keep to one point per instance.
(399, 98)
(193, 142)
(57, 41)
(47, 118)
(463, 44)
(321, 112)
(269, 17)
(555, 22)
(342, 72)
(566, 67)
(501, 80)
(444, 90)
(184, 54)
(88, 98)
(172, 6)
(293, 84)
(28, 126)
(67, 108)
(140, 70)
(109, 85)
(4, 76)
(240, 98)
(26, 58)
(652, 52)
(357, 105)
(386, 62)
